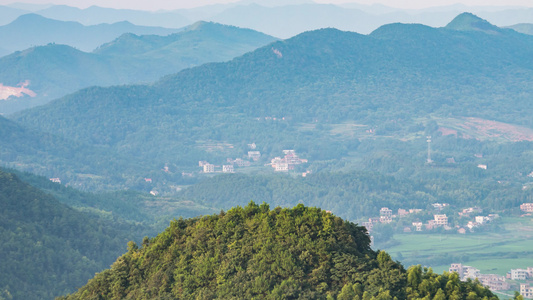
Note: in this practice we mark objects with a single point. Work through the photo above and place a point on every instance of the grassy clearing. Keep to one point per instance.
(495, 253)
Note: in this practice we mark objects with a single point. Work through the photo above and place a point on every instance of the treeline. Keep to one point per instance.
(49, 248)
(353, 195)
(255, 252)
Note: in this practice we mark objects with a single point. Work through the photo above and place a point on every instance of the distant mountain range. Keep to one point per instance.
(34, 30)
(525, 28)
(54, 70)
(278, 19)
(393, 76)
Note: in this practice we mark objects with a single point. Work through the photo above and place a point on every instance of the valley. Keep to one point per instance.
(233, 136)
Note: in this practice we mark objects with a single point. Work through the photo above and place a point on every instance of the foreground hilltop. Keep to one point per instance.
(254, 252)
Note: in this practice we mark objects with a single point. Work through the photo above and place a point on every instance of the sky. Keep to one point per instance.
(176, 4)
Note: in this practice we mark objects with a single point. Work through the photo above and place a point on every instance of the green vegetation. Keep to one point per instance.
(491, 252)
(395, 82)
(55, 70)
(255, 252)
(49, 248)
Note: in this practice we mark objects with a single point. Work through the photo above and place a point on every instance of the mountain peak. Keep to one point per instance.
(470, 22)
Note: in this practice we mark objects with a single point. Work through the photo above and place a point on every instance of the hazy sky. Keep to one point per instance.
(174, 4)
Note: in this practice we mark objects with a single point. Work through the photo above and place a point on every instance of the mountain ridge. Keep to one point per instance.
(34, 30)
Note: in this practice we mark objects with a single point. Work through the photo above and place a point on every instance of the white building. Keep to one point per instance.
(527, 207)
(441, 220)
(385, 215)
(465, 272)
(519, 274)
(228, 169)
(526, 291)
(209, 168)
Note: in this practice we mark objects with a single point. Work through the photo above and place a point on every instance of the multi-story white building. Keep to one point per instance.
(228, 169)
(526, 291)
(519, 274)
(527, 207)
(441, 220)
(465, 272)
(209, 168)
(385, 215)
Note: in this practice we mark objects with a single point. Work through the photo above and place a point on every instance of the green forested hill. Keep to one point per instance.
(49, 248)
(258, 253)
(390, 83)
(54, 70)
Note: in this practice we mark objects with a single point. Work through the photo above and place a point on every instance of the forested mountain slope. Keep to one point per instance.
(54, 70)
(255, 252)
(49, 248)
(387, 81)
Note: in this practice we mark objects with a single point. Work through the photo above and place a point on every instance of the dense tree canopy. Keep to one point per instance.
(255, 252)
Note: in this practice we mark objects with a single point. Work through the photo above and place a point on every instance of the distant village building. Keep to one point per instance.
(287, 162)
(368, 226)
(154, 193)
(527, 207)
(468, 211)
(519, 274)
(465, 272)
(252, 146)
(450, 160)
(471, 225)
(526, 290)
(481, 219)
(441, 220)
(415, 210)
(56, 180)
(209, 168)
(439, 206)
(418, 226)
(254, 155)
(484, 167)
(202, 163)
(494, 282)
(228, 169)
(430, 224)
(402, 212)
(373, 220)
(385, 215)
(148, 180)
(242, 162)
(461, 231)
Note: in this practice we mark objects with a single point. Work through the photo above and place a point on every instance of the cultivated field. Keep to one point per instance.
(494, 253)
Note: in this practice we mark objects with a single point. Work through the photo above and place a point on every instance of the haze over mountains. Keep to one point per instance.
(34, 30)
(384, 80)
(282, 20)
(55, 70)
(356, 108)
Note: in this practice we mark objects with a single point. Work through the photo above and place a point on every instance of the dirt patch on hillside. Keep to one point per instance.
(492, 129)
(21, 90)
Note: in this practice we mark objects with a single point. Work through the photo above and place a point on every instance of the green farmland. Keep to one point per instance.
(494, 253)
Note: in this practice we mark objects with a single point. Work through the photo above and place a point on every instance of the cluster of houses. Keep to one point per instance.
(439, 220)
(280, 164)
(495, 282)
(527, 207)
(288, 162)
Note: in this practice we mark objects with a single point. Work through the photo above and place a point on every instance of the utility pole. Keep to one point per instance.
(429, 149)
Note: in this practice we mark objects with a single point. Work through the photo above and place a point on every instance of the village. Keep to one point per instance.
(279, 164)
(440, 220)
(521, 279)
